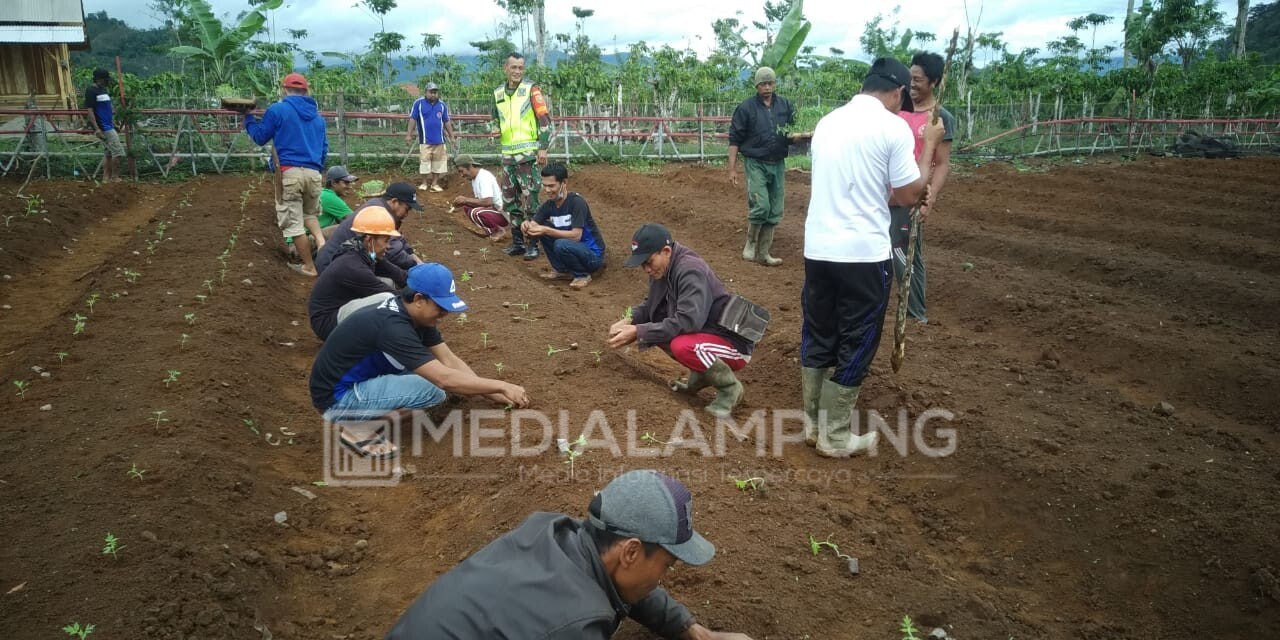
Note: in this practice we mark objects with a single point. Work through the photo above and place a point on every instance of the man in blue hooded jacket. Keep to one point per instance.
(295, 127)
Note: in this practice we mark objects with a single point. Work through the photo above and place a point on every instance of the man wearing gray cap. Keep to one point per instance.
(863, 162)
(756, 132)
(429, 124)
(555, 576)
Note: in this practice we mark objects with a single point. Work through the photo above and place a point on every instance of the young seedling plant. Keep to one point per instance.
(190, 318)
(22, 386)
(159, 415)
(93, 299)
(815, 546)
(626, 315)
(61, 355)
(484, 340)
(462, 318)
(182, 342)
(466, 276)
(111, 545)
(754, 484)
(131, 276)
(76, 631)
(649, 437)
(208, 284)
(79, 328)
(173, 377)
(200, 297)
(908, 629)
(551, 351)
(597, 354)
(572, 450)
(135, 472)
(499, 366)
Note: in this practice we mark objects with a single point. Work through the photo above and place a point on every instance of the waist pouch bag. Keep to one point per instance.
(744, 318)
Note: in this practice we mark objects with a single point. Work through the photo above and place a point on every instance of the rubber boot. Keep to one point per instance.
(749, 252)
(696, 381)
(728, 389)
(834, 437)
(765, 242)
(517, 241)
(531, 250)
(811, 393)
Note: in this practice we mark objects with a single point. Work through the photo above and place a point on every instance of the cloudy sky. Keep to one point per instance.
(335, 25)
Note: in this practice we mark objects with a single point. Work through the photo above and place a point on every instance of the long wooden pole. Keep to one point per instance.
(904, 289)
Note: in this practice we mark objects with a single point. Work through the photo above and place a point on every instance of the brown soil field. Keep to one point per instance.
(1066, 301)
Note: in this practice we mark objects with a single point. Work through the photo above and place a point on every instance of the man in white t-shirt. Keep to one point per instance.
(485, 210)
(863, 161)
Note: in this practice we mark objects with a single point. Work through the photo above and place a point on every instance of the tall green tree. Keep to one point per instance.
(222, 50)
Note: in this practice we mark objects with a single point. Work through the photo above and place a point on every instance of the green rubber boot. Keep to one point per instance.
(695, 382)
(728, 389)
(753, 234)
(764, 242)
(811, 393)
(835, 439)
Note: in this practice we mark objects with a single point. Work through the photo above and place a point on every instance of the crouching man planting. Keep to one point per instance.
(390, 356)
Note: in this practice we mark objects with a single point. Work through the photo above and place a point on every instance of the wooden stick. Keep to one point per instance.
(904, 288)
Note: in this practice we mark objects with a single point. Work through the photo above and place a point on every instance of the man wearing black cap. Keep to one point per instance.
(399, 199)
(681, 316)
(429, 124)
(858, 149)
(556, 576)
(97, 101)
(390, 356)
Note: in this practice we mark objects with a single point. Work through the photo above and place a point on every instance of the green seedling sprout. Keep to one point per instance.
(484, 340)
(626, 315)
(131, 275)
(551, 351)
(499, 366)
(522, 305)
(182, 342)
(253, 426)
(190, 318)
(815, 546)
(93, 299)
(7, 220)
(151, 245)
(573, 450)
(173, 377)
(159, 415)
(160, 229)
(484, 253)
(649, 437)
(79, 328)
(76, 631)
(597, 354)
(22, 386)
(111, 545)
(208, 284)
(61, 355)
(753, 484)
(135, 472)
(462, 318)
(908, 629)
(33, 206)
(465, 277)
(115, 295)
(200, 297)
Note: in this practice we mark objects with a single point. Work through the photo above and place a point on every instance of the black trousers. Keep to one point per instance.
(843, 305)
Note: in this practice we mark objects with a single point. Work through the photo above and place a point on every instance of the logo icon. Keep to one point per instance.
(345, 434)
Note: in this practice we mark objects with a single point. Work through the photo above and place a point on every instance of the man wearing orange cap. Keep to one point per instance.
(294, 125)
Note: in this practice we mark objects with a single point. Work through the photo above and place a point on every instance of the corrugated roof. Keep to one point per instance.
(37, 34)
(41, 11)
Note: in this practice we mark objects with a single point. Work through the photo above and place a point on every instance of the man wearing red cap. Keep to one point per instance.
(295, 127)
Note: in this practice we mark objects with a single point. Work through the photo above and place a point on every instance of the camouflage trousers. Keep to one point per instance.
(522, 188)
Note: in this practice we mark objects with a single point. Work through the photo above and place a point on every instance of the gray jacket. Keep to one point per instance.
(542, 580)
(688, 298)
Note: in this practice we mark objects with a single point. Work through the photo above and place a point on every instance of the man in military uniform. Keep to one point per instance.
(524, 125)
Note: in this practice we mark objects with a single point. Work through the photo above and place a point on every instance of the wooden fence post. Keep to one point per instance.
(342, 129)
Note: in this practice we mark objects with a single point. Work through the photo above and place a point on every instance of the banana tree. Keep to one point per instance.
(221, 49)
(781, 53)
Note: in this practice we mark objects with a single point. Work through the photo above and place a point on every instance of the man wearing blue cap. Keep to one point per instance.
(362, 371)
(555, 576)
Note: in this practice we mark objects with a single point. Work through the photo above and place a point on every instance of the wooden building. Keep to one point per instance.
(36, 39)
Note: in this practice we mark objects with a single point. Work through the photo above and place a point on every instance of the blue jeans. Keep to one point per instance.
(571, 256)
(381, 395)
